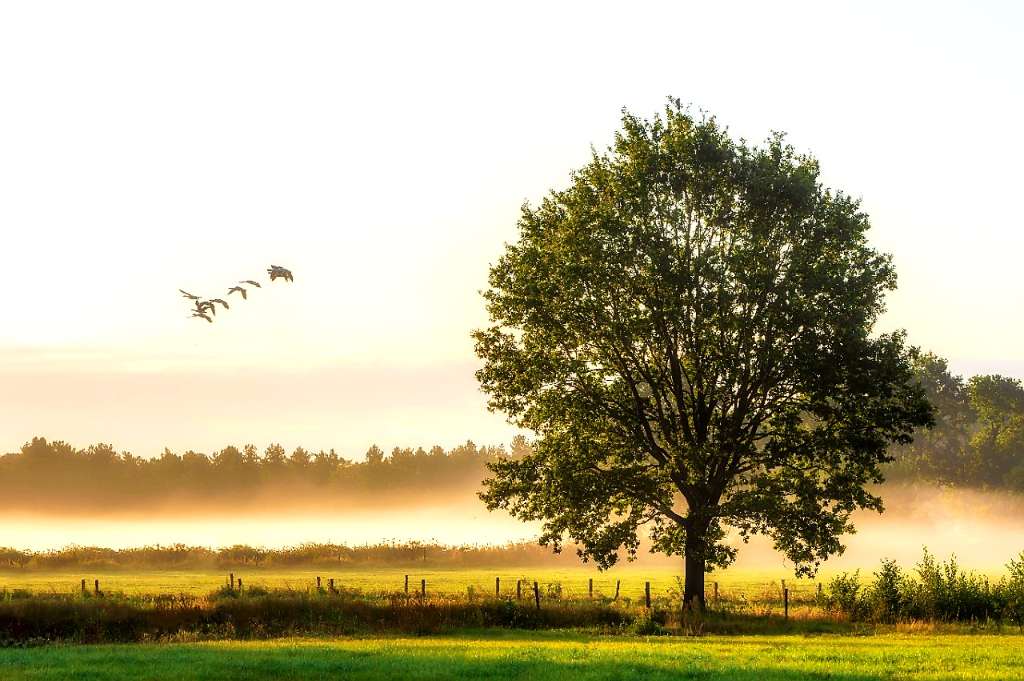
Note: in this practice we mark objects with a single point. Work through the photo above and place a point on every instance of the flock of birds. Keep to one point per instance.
(206, 308)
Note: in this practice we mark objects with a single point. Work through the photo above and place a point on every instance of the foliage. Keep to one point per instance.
(888, 593)
(54, 476)
(688, 330)
(978, 439)
(844, 594)
(937, 591)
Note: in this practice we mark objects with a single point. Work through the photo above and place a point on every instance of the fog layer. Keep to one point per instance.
(983, 529)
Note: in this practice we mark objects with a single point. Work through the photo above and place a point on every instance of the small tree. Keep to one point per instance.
(687, 329)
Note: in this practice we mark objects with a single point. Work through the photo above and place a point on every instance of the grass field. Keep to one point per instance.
(574, 581)
(551, 655)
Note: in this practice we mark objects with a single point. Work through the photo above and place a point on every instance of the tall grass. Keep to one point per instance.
(932, 593)
(261, 614)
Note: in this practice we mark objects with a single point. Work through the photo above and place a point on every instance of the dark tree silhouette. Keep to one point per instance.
(687, 328)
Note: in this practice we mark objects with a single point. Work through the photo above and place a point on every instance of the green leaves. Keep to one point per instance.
(687, 330)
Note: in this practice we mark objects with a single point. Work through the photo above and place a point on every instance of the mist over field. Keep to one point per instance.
(981, 528)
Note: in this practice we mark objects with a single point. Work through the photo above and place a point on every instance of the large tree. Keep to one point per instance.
(687, 331)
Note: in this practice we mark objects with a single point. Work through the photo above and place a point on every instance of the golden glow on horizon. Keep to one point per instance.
(381, 152)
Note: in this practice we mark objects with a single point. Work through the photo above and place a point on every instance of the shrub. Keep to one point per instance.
(886, 599)
(943, 591)
(844, 595)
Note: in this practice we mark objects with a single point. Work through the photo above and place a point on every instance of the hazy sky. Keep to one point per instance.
(382, 151)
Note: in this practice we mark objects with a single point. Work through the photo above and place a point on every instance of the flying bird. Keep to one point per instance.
(207, 308)
(276, 271)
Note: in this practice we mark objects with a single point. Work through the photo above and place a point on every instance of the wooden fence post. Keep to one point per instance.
(423, 587)
(716, 592)
(647, 594)
(497, 587)
(407, 584)
(318, 582)
(819, 588)
(590, 587)
(83, 587)
(618, 582)
(330, 584)
(231, 579)
(785, 604)
(239, 585)
(96, 587)
(536, 594)
(519, 589)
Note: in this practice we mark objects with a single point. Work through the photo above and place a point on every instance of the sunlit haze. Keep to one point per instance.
(382, 151)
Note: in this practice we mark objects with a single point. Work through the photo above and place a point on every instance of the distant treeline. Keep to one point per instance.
(978, 441)
(55, 476)
(978, 438)
(180, 556)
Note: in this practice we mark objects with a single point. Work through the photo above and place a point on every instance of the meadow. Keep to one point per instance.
(361, 624)
(570, 581)
(489, 654)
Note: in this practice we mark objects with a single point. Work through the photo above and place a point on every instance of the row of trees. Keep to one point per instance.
(978, 438)
(181, 556)
(49, 475)
(978, 441)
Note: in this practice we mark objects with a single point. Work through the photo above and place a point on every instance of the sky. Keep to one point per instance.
(382, 151)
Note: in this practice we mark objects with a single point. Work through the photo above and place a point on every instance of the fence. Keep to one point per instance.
(714, 594)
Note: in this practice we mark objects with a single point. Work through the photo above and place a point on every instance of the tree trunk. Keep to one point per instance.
(693, 580)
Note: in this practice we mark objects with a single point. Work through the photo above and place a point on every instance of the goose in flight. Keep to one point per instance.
(206, 308)
(276, 271)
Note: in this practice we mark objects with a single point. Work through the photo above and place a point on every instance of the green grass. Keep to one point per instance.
(536, 656)
(574, 581)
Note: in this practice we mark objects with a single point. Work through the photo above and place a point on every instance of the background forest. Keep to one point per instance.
(978, 442)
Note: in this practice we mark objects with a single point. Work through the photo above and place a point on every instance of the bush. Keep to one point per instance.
(844, 595)
(887, 596)
(946, 593)
(941, 592)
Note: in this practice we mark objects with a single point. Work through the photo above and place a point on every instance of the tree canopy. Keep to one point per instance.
(687, 328)
(978, 439)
